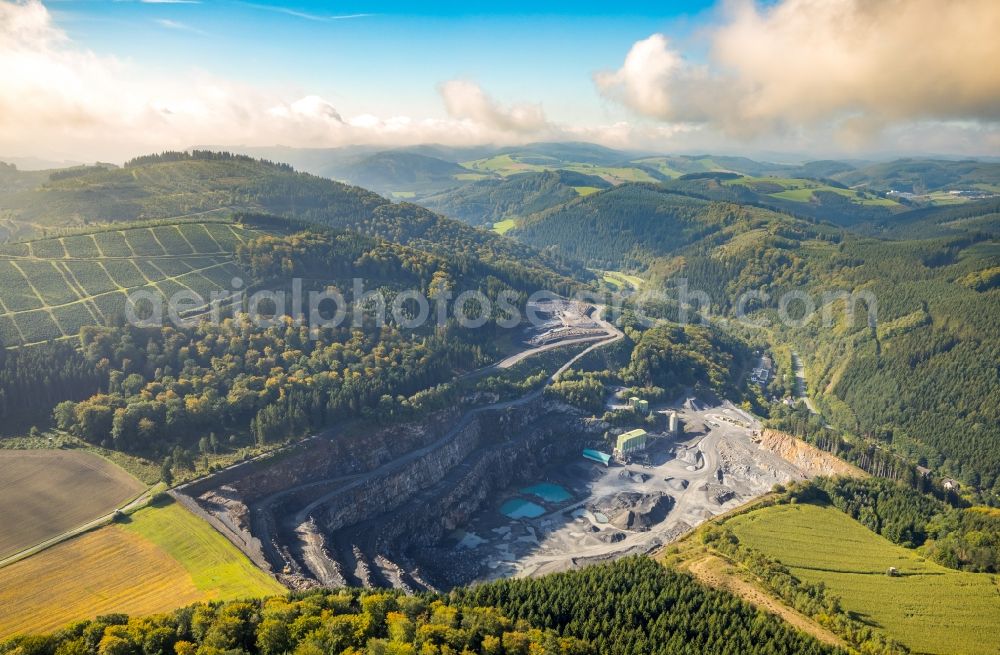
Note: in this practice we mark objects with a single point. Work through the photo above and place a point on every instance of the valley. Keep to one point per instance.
(518, 328)
(432, 459)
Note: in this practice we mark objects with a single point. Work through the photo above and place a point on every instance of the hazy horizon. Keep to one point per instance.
(32, 163)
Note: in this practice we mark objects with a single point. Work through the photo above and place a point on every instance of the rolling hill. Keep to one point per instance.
(399, 173)
(629, 226)
(206, 185)
(828, 573)
(490, 201)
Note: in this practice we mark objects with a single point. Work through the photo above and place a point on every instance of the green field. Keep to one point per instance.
(217, 569)
(507, 165)
(929, 608)
(621, 280)
(50, 288)
(504, 226)
(802, 190)
(662, 165)
(502, 165)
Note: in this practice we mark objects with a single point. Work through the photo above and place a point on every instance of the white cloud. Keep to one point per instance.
(320, 18)
(855, 66)
(643, 82)
(177, 25)
(63, 101)
(466, 100)
(308, 108)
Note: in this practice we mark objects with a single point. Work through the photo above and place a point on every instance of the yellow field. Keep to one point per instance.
(109, 570)
(44, 493)
(217, 568)
(161, 559)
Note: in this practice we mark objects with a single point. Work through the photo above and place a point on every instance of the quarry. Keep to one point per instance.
(521, 487)
(496, 492)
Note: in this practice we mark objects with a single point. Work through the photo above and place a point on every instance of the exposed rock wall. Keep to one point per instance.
(385, 491)
(807, 458)
(517, 453)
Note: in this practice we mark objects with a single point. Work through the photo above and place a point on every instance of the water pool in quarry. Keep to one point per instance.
(549, 492)
(517, 508)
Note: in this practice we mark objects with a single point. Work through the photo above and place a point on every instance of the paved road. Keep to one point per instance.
(800, 382)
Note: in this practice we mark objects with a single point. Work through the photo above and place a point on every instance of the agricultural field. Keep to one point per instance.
(621, 280)
(507, 164)
(803, 190)
(663, 165)
(504, 226)
(44, 493)
(159, 559)
(929, 608)
(50, 288)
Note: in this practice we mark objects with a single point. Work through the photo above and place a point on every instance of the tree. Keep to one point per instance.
(166, 475)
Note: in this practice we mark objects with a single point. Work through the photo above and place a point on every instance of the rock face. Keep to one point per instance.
(348, 510)
(810, 460)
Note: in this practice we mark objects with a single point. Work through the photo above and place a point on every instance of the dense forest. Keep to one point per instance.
(636, 606)
(319, 623)
(675, 357)
(624, 227)
(632, 607)
(33, 380)
(163, 387)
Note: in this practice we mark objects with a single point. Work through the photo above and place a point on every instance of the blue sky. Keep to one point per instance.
(384, 57)
(87, 79)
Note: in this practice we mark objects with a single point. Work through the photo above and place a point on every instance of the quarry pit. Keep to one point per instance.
(497, 492)
(494, 490)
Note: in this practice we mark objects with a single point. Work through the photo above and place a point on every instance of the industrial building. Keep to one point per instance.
(639, 405)
(597, 456)
(631, 441)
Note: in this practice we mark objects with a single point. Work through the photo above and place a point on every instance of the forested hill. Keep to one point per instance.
(631, 225)
(946, 220)
(398, 171)
(924, 381)
(182, 184)
(208, 184)
(486, 202)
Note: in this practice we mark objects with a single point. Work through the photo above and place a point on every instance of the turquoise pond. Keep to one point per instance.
(550, 493)
(516, 508)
